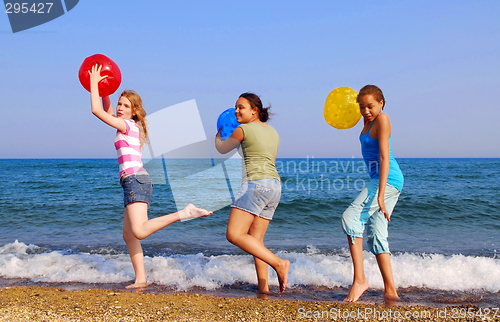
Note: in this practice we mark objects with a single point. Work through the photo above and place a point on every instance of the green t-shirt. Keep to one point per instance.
(260, 148)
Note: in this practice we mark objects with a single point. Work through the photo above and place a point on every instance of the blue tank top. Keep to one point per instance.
(371, 156)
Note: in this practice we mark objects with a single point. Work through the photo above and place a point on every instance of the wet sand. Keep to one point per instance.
(42, 303)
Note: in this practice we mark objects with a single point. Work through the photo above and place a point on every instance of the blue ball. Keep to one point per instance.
(227, 122)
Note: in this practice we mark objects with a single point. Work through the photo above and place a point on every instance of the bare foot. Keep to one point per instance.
(283, 277)
(392, 294)
(191, 212)
(263, 296)
(263, 285)
(136, 285)
(391, 301)
(391, 297)
(357, 289)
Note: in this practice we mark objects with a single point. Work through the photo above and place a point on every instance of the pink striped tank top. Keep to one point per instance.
(128, 148)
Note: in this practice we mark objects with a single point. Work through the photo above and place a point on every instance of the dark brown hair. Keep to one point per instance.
(372, 90)
(256, 103)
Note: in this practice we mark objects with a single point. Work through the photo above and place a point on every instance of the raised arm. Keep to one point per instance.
(383, 133)
(104, 114)
(107, 106)
(232, 142)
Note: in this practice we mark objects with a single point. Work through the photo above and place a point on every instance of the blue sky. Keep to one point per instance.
(436, 61)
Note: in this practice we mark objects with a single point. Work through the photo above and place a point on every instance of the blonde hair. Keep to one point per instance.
(139, 114)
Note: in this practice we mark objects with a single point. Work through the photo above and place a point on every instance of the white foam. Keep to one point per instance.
(18, 248)
(457, 272)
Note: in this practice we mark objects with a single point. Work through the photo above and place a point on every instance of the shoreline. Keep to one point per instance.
(410, 296)
(38, 303)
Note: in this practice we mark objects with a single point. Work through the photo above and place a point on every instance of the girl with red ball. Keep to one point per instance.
(131, 135)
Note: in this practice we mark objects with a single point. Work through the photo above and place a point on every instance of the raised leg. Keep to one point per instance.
(142, 227)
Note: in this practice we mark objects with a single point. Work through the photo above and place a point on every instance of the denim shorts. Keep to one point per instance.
(259, 197)
(136, 187)
(364, 210)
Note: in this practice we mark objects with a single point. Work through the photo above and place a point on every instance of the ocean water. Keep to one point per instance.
(61, 224)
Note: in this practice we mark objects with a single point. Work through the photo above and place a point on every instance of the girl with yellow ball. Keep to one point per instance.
(375, 203)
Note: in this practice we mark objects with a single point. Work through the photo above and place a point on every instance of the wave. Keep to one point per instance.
(309, 268)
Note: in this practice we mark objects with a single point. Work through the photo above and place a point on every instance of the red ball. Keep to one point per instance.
(108, 85)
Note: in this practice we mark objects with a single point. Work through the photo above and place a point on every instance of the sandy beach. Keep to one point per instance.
(34, 303)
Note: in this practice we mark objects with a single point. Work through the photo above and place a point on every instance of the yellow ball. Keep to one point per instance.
(341, 109)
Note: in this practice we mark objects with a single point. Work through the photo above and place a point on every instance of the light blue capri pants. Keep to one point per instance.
(364, 210)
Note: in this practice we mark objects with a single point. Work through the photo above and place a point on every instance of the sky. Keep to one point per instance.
(437, 63)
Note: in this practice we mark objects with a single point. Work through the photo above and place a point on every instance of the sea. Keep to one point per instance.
(61, 226)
